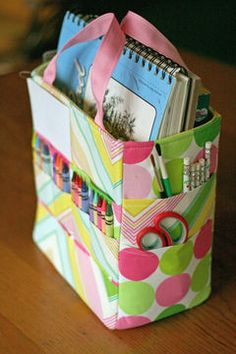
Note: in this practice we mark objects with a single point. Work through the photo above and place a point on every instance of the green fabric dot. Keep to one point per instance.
(172, 310)
(201, 296)
(209, 132)
(177, 258)
(155, 187)
(175, 147)
(135, 297)
(201, 274)
(175, 172)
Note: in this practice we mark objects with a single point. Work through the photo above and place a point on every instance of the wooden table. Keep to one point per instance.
(40, 313)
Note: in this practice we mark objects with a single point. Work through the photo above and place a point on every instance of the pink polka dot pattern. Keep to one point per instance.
(136, 265)
(203, 241)
(132, 321)
(173, 289)
(136, 154)
(137, 182)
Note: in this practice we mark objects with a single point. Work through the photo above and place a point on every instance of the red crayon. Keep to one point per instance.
(99, 212)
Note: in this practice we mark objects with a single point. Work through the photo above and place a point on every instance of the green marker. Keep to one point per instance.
(109, 221)
(164, 174)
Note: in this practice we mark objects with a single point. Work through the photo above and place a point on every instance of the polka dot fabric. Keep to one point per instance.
(159, 283)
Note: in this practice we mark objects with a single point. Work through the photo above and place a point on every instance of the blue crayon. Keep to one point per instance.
(46, 160)
(91, 206)
(85, 197)
(54, 172)
(66, 178)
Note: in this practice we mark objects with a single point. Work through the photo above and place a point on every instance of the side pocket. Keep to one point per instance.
(162, 282)
(195, 206)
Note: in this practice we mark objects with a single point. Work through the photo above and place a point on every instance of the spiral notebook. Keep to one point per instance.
(148, 97)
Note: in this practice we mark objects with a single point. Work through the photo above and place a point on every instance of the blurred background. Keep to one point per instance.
(30, 27)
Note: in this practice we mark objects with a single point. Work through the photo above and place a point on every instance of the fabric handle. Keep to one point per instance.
(106, 58)
(144, 32)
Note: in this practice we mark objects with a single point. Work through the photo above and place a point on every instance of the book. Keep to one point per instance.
(148, 96)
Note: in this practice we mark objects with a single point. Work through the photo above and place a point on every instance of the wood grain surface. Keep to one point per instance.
(40, 313)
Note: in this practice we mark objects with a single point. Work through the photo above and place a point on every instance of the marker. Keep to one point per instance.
(103, 211)
(38, 150)
(208, 145)
(74, 189)
(46, 160)
(79, 183)
(99, 213)
(202, 171)
(66, 178)
(193, 176)
(91, 206)
(54, 173)
(95, 202)
(157, 175)
(197, 174)
(109, 221)
(186, 175)
(85, 197)
(164, 174)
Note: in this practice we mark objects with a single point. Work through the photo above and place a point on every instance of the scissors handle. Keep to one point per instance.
(153, 237)
(171, 214)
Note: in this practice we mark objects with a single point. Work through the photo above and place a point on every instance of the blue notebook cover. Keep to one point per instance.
(136, 97)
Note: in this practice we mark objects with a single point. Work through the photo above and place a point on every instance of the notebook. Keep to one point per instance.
(148, 97)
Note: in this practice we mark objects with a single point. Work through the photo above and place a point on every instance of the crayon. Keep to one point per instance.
(99, 213)
(109, 221)
(79, 183)
(60, 174)
(38, 150)
(66, 178)
(57, 167)
(186, 175)
(202, 171)
(74, 189)
(91, 206)
(103, 212)
(85, 197)
(46, 160)
(54, 173)
(208, 145)
(95, 202)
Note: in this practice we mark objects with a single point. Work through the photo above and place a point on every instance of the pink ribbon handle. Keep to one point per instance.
(106, 58)
(144, 32)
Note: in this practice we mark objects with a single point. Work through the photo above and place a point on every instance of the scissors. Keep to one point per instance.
(158, 236)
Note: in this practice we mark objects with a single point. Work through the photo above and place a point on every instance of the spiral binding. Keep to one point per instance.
(139, 52)
(149, 58)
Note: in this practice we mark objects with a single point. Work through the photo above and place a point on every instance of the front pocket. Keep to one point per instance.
(195, 206)
(76, 265)
(159, 283)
